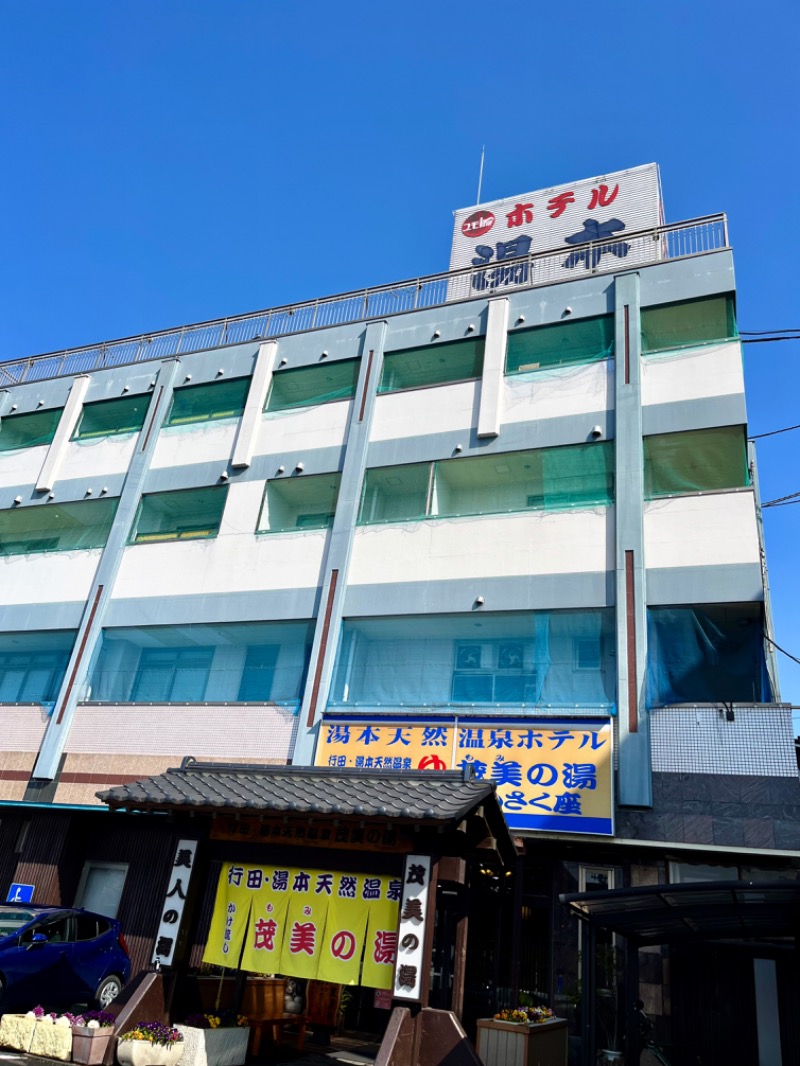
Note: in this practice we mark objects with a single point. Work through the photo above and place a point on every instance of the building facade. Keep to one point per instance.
(510, 521)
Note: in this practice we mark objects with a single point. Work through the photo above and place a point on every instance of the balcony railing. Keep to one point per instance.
(677, 241)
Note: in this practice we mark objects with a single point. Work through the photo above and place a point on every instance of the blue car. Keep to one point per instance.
(59, 956)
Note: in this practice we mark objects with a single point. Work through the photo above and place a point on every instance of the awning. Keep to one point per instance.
(709, 910)
(439, 799)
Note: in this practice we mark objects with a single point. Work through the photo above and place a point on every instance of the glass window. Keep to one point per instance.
(306, 386)
(188, 514)
(299, 503)
(26, 431)
(172, 675)
(510, 658)
(50, 527)
(255, 662)
(208, 403)
(109, 417)
(700, 460)
(685, 324)
(584, 340)
(709, 654)
(434, 364)
(32, 665)
(396, 493)
(100, 891)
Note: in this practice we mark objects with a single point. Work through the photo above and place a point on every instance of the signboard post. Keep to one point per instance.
(20, 893)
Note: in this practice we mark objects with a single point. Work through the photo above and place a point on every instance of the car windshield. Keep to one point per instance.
(11, 920)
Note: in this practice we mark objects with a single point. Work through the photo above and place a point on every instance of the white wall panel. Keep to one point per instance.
(199, 443)
(47, 577)
(698, 740)
(229, 563)
(436, 410)
(288, 432)
(22, 467)
(23, 727)
(496, 546)
(559, 392)
(711, 530)
(92, 459)
(713, 370)
(218, 731)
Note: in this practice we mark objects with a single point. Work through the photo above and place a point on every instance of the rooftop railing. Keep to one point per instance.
(624, 251)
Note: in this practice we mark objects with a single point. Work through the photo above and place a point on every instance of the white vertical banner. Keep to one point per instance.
(174, 902)
(412, 928)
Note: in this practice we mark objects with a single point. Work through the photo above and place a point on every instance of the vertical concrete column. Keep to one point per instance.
(635, 785)
(254, 406)
(490, 411)
(5, 404)
(66, 427)
(769, 627)
(55, 737)
(340, 544)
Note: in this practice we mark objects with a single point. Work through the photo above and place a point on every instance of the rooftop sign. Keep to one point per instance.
(498, 235)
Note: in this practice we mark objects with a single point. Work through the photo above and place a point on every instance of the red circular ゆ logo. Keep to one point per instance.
(432, 762)
(478, 223)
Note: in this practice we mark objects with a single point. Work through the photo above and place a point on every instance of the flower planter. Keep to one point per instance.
(52, 1041)
(89, 1045)
(214, 1047)
(144, 1053)
(515, 1044)
(16, 1031)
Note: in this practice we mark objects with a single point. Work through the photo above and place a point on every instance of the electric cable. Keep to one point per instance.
(783, 651)
(773, 432)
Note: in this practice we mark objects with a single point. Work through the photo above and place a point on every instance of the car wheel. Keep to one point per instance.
(109, 989)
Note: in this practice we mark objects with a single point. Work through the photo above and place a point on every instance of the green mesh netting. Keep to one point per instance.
(187, 514)
(306, 386)
(681, 325)
(103, 419)
(25, 431)
(50, 527)
(433, 364)
(207, 403)
(699, 460)
(549, 479)
(299, 503)
(585, 340)
(395, 493)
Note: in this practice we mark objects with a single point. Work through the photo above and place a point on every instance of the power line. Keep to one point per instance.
(782, 501)
(783, 651)
(769, 340)
(767, 332)
(773, 432)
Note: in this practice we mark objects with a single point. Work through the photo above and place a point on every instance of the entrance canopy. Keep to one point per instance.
(712, 910)
(439, 800)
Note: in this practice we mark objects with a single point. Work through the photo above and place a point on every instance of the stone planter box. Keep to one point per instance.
(89, 1045)
(512, 1044)
(143, 1053)
(52, 1041)
(16, 1031)
(214, 1047)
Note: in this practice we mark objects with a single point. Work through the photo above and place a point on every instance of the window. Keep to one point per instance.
(26, 431)
(297, 503)
(32, 665)
(109, 417)
(47, 527)
(243, 661)
(172, 675)
(57, 930)
(701, 460)
(494, 673)
(87, 928)
(434, 364)
(549, 479)
(188, 514)
(208, 403)
(396, 493)
(692, 322)
(100, 890)
(306, 386)
(584, 340)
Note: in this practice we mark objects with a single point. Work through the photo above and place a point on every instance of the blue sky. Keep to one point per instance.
(167, 161)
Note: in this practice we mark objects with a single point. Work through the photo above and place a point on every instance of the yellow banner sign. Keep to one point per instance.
(306, 923)
(549, 776)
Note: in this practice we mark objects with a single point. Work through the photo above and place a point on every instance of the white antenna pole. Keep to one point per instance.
(480, 175)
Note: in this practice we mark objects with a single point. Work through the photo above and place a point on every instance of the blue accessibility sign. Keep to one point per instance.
(20, 894)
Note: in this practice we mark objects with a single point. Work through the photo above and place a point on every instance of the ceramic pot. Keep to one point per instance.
(214, 1047)
(89, 1045)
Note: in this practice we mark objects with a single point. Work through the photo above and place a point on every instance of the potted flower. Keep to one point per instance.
(52, 1035)
(91, 1033)
(150, 1044)
(218, 1039)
